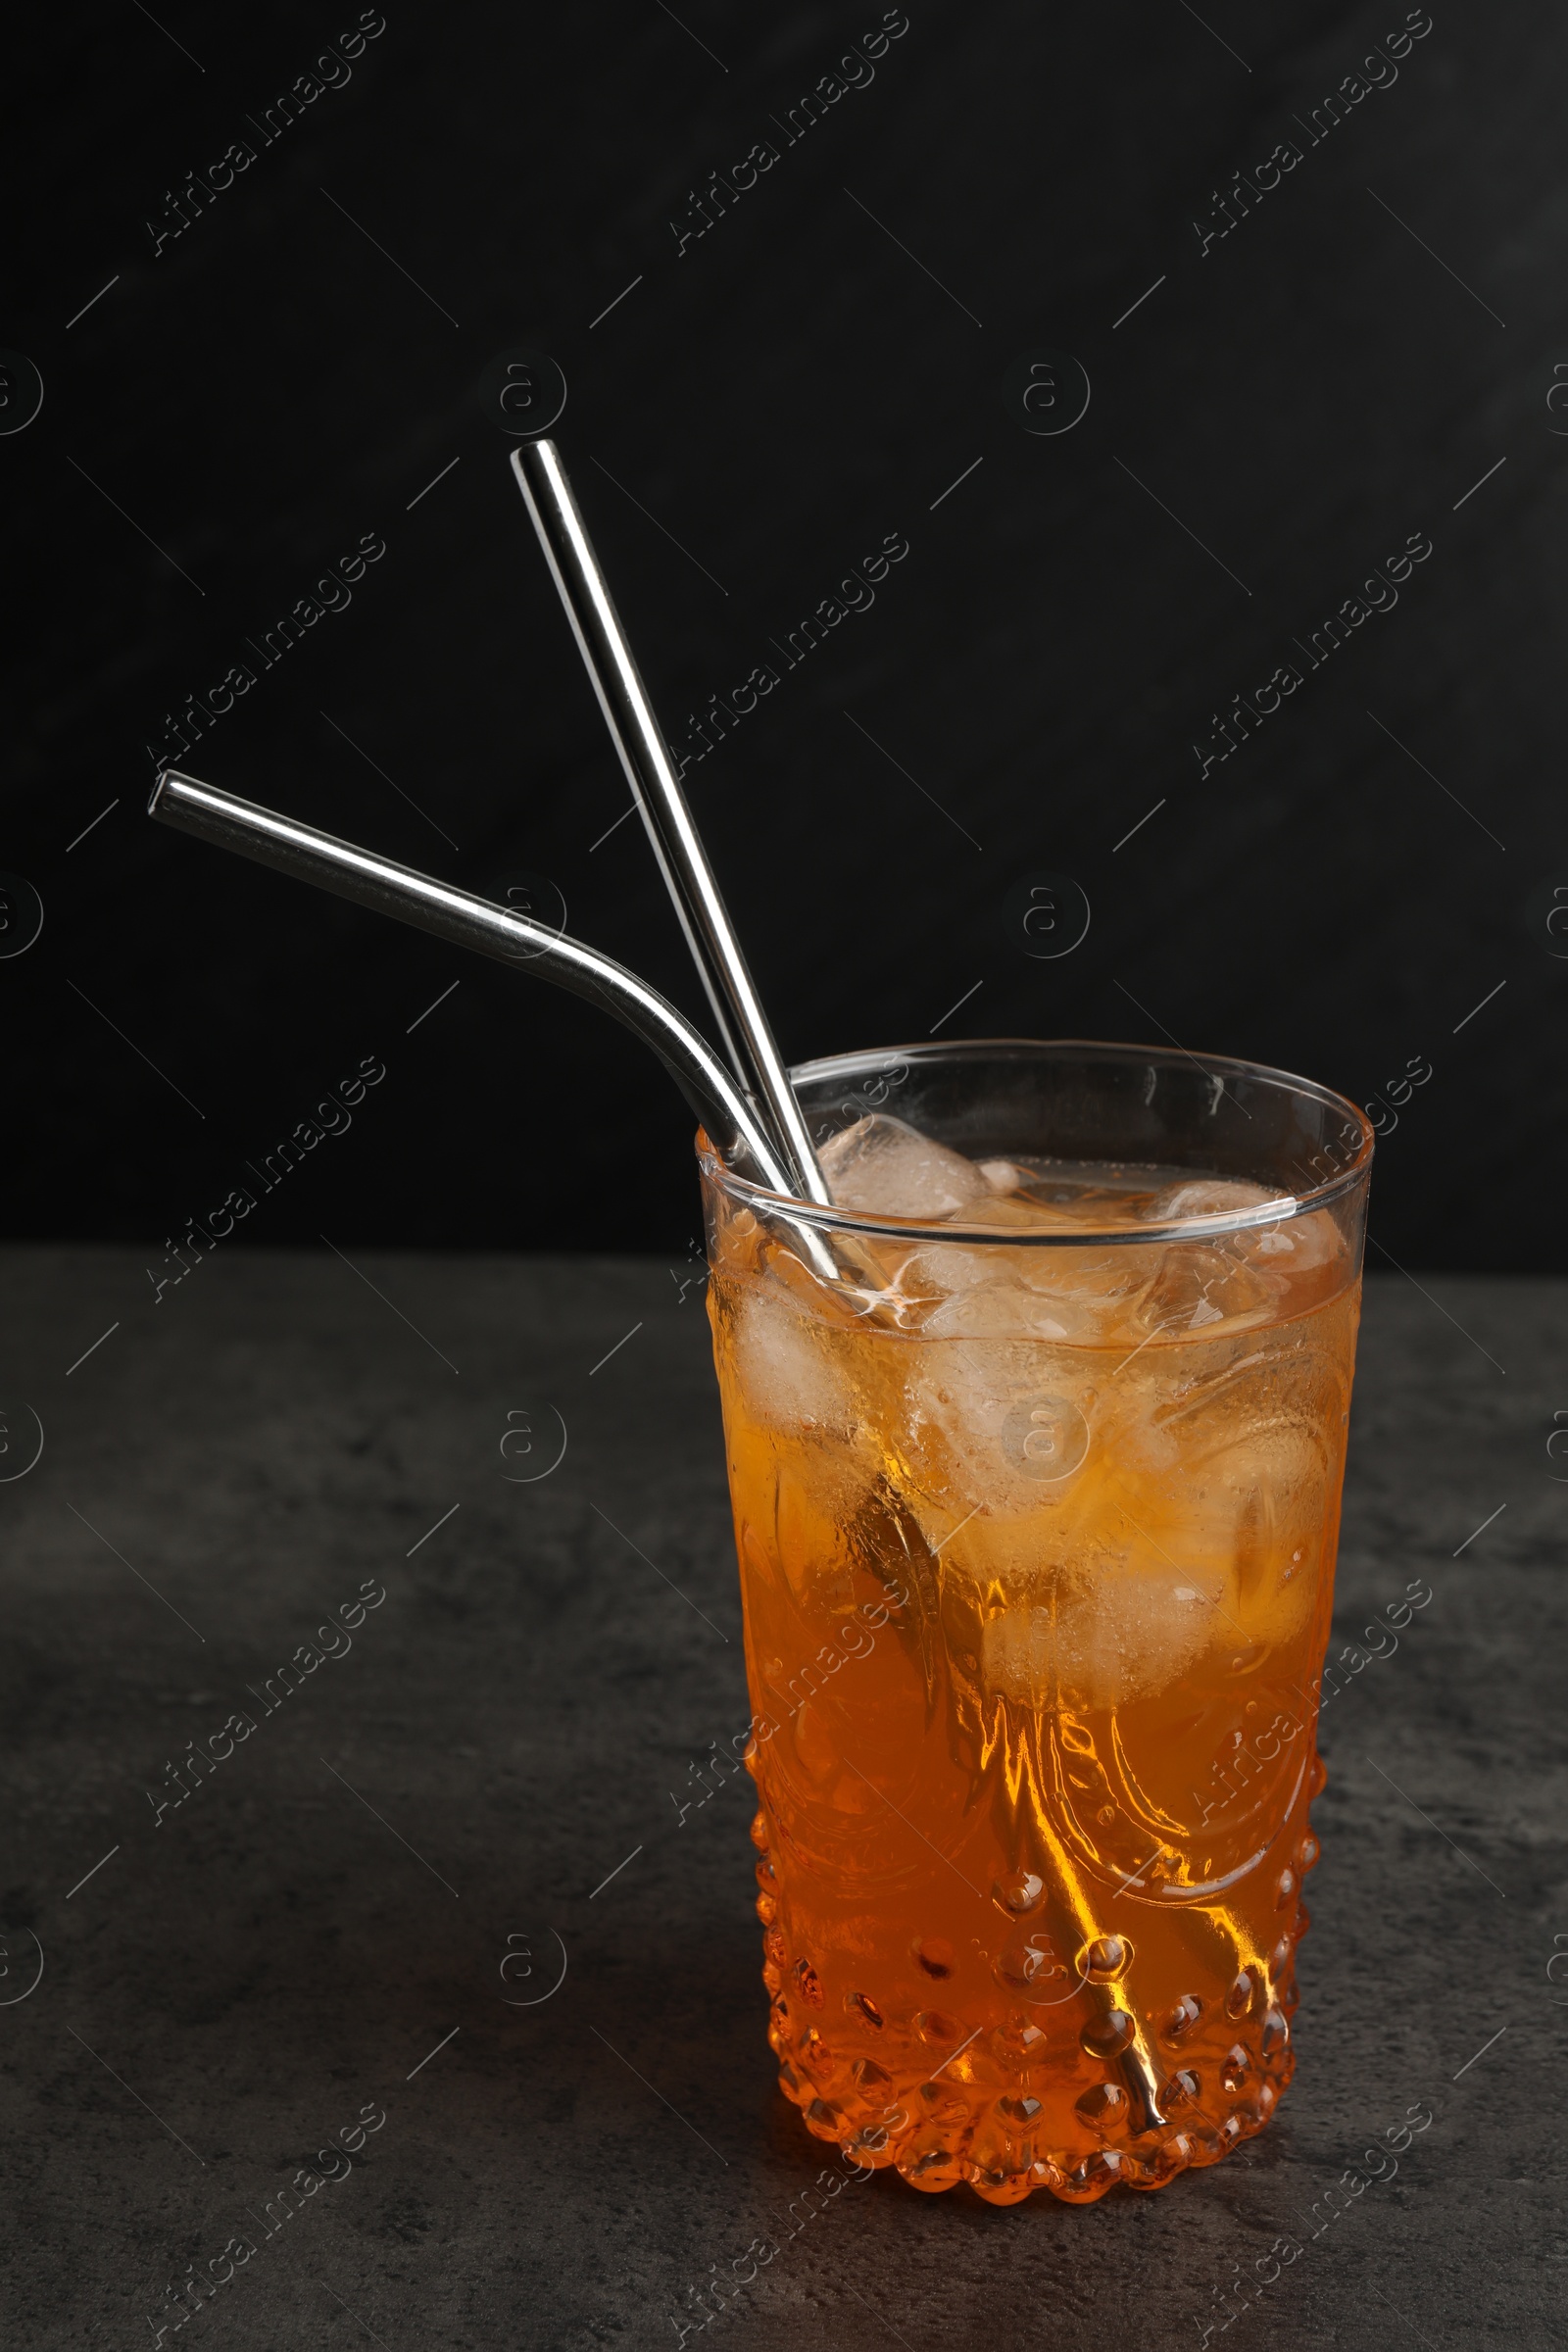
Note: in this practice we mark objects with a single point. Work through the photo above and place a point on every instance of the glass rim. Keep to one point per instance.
(1324, 1194)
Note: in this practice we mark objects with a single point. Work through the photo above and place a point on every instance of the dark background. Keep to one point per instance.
(776, 399)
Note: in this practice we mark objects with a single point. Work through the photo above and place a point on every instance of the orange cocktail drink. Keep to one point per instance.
(1035, 1454)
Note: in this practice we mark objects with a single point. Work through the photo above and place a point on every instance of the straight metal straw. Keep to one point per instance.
(231, 823)
(677, 844)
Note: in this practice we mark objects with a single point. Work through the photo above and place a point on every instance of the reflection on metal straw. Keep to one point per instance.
(231, 823)
(677, 844)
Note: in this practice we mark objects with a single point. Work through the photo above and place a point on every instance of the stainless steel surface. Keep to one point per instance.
(677, 844)
(231, 823)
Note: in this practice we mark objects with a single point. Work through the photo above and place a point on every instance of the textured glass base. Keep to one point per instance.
(1019, 2103)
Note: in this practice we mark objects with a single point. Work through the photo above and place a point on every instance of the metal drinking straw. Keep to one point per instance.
(743, 1025)
(231, 823)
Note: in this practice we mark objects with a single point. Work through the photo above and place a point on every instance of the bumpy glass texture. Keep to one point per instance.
(1036, 1550)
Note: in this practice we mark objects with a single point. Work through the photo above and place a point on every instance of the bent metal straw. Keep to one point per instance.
(231, 823)
(261, 834)
(677, 844)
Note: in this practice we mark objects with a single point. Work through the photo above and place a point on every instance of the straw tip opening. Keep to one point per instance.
(163, 802)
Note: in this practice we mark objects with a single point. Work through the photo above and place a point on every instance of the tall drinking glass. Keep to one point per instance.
(1035, 1446)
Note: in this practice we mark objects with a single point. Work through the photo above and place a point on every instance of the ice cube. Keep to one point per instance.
(984, 1290)
(1003, 1176)
(1256, 1504)
(1008, 1309)
(1292, 1247)
(1212, 1290)
(992, 1425)
(919, 1279)
(883, 1167)
(1122, 1625)
(787, 1370)
(1207, 1197)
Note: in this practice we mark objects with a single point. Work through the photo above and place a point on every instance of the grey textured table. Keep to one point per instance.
(363, 1911)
